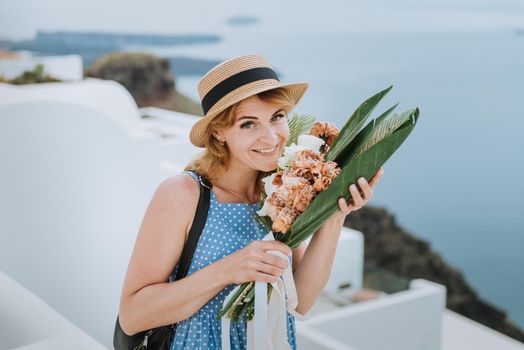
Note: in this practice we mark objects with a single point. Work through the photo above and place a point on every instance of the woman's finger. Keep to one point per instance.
(269, 269)
(355, 194)
(376, 177)
(343, 205)
(366, 189)
(271, 259)
(274, 245)
(264, 277)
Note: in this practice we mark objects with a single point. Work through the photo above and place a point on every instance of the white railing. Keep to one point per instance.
(408, 320)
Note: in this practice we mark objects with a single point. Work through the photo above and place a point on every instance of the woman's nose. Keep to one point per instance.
(269, 134)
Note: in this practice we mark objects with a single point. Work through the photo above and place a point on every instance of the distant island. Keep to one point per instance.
(91, 46)
(4, 44)
(242, 20)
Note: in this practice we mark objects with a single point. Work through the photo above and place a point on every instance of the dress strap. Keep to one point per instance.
(193, 175)
(200, 179)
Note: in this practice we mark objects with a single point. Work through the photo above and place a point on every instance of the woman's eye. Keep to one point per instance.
(248, 125)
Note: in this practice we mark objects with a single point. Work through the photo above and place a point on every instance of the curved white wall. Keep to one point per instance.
(74, 186)
(106, 97)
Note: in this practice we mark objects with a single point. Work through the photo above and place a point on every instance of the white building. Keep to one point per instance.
(79, 166)
(63, 67)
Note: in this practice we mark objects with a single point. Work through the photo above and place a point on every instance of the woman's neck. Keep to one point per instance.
(241, 181)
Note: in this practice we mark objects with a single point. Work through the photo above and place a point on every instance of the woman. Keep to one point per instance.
(243, 132)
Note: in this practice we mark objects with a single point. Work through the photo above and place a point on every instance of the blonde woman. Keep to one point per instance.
(243, 133)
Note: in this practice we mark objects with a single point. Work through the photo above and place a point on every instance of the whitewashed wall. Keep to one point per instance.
(74, 186)
(63, 67)
(408, 320)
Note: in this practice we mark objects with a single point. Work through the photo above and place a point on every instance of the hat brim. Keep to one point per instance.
(198, 134)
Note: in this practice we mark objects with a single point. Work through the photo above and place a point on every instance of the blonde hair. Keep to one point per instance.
(216, 156)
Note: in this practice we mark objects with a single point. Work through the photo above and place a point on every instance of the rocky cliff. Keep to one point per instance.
(147, 77)
(390, 248)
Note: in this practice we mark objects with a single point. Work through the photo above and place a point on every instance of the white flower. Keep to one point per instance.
(269, 188)
(289, 155)
(304, 142)
(310, 142)
(264, 210)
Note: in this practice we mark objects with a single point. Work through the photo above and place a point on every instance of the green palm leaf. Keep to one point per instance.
(375, 131)
(299, 124)
(353, 125)
(234, 299)
(385, 114)
(383, 129)
(365, 165)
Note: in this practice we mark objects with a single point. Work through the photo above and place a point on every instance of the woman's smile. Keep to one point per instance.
(266, 152)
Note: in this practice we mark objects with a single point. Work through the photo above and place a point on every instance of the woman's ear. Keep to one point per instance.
(218, 135)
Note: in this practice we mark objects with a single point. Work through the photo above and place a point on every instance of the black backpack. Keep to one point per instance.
(160, 338)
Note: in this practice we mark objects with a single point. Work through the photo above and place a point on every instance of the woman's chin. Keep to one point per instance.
(268, 166)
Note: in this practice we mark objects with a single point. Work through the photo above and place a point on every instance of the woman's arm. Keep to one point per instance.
(147, 300)
(314, 266)
(314, 261)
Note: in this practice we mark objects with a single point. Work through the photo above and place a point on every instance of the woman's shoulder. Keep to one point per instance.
(177, 196)
(181, 187)
(163, 232)
(183, 181)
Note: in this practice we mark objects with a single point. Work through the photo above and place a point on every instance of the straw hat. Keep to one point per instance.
(233, 81)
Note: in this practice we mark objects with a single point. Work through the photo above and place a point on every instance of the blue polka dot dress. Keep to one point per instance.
(229, 227)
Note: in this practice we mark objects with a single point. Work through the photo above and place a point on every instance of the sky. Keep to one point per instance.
(20, 19)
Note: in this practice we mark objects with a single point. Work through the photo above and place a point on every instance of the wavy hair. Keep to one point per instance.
(216, 156)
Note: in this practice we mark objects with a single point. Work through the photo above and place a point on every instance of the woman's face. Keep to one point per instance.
(259, 134)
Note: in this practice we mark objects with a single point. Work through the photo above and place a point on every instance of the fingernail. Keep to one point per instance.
(353, 187)
(361, 180)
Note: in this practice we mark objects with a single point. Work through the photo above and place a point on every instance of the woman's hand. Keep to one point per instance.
(359, 198)
(254, 263)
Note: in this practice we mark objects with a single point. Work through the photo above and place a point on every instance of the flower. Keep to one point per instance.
(327, 132)
(310, 142)
(305, 142)
(269, 187)
(303, 174)
(264, 211)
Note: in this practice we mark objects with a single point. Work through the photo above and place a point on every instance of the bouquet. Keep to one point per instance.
(318, 165)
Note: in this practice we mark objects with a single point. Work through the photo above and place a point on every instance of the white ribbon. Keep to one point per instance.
(268, 329)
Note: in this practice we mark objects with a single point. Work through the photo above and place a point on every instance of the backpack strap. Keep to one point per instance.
(124, 341)
(196, 228)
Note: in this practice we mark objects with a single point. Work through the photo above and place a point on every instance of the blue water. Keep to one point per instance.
(457, 181)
